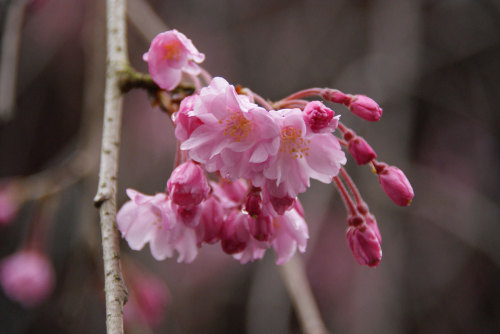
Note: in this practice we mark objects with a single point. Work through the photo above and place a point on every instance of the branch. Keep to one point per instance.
(294, 276)
(117, 62)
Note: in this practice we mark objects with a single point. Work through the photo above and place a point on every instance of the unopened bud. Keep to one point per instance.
(253, 203)
(364, 244)
(319, 117)
(262, 228)
(336, 96)
(361, 151)
(234, 237)
(188, 184)
(211, 220)
(396, 185)
(364, 107)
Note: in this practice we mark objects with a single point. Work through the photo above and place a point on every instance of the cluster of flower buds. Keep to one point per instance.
(262, 156)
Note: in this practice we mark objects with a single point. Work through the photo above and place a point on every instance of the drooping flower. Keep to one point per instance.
(185, 124)
(236, 137)
(302, 155)
(364, 242)
(291, 232)
(27, 277)
(170, 54)
(187, 185)
(320, 118)
(154, 219)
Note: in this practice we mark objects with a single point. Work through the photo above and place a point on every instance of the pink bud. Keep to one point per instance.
(319, 117)
(188, 184)
(27, 277)
(184, 123)
(235, 235)
(396, 185)
(188, 215)
(281, 204)
(211, 220)
(253, 204)
(372, 223)
(336, 96)
(366, 108)
(365, 245)
(361, 151)
(262, 228)
(8, 208)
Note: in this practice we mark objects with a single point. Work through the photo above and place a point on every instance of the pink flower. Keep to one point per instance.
(148, 299)
(365, 244)
(396, 185)
(185, 124)
(254, 250)
(236, 138)
(291, 233)
(302, 155)
(361, 151)
(235, 234)
(27, 277)
(364, 107)
(320, 118)
(170, 54)
(154, 219)
(187, 185)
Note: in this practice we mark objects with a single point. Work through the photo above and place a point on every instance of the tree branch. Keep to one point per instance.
(294, 276)
(117, 62)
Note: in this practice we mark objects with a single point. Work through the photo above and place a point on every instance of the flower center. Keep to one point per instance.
(172, 50)
(237, 126)
(293, 143)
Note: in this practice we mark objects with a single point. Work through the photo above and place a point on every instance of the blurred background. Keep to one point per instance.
(433, 66)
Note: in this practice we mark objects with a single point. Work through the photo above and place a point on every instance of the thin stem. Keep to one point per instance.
(291, 104)
(303, 93)
(9, 61)
(345, 196)
(352, 186)
(297, 284)
(117, 62)
(260, 100)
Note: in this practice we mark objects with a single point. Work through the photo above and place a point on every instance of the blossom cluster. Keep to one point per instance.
(260, 157)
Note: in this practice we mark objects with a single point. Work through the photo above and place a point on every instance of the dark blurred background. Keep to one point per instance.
(434, 67)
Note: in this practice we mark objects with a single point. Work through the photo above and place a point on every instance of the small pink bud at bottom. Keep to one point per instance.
(187, 185)
(364, 107)
(253, 204)
(234, 237)
(282, 204)
(396, 185)
(27, 277)
(319, 117)
(190, 216)
(262, 228)
(361, 151)
(211, 220)
(365, 245)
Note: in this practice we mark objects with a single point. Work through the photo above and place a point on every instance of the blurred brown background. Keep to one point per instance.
(434, 66)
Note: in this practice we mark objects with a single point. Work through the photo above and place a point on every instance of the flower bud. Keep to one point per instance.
(188, 184)
(319, 117)
(281, 204)
(27, 277)
(372, 223)
(234, 237)
(262, 228)
(396, 185)
(253, 203)
(336, 96)
(364, 107)
(211, 220)
(185, 124)
(364, 244)
(361, 151)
